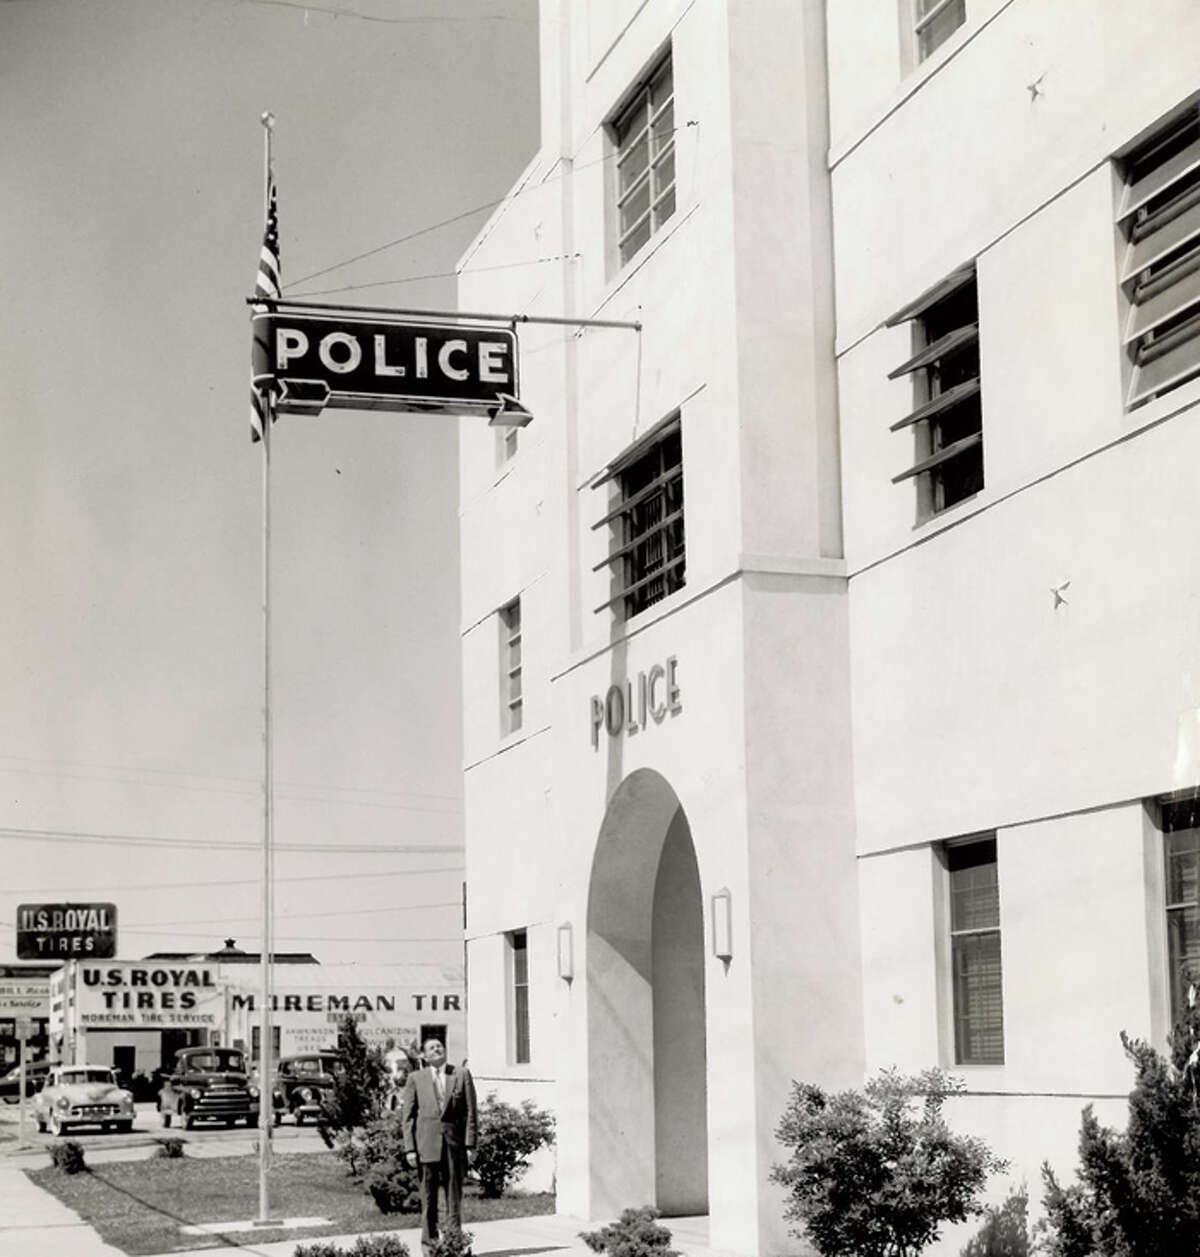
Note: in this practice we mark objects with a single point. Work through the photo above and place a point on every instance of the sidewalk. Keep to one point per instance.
(34, 1224)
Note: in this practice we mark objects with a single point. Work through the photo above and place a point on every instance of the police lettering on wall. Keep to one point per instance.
(627, 708)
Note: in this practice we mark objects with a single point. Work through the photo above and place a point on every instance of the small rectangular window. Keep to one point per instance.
(1181, 851)
(947, 424)
(645, 518)
(934, 21)
(975, 953)
(1159, 228)
(644, 135)
(518, 947)
(511, 700)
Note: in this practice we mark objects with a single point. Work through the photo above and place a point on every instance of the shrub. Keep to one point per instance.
(360, 1087)
(1139, 1191)
(364, 1246)
(68, 1156)
(635, 1234)
(169, 1147)
(1005, 1230)
(874, 1173)
(375, 1156)
(508, 1136)
(453, 1242)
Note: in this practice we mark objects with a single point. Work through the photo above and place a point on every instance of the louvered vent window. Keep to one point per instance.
(646, 547)
(975, 953)
(1159, 220)
(947, 424)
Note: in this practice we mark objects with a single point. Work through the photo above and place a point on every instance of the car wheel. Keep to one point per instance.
(188, 1121)
(41, 1124)
(123, 1128)
(166, 1117)
(57, 1127)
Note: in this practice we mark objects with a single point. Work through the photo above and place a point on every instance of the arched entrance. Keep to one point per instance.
(647, 1101)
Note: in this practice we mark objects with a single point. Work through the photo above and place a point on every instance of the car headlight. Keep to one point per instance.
(253, 1090)
(194, 1092)
(307, 1094)
(126, 1100)
(62, 1103)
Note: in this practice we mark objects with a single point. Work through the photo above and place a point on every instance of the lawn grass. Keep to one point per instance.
(138, 1206)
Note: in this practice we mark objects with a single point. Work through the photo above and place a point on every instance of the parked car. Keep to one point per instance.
(35, 1075)
(83, 1095)
(304, 1079)
(209, 1084)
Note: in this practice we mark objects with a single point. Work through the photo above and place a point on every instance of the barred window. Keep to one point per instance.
(1159, 222)
(1181, 850)
(948, 420)
(644, 133)
(512, 700)
(518, 947)
(934, 21)
(975, 953)
(646, 549)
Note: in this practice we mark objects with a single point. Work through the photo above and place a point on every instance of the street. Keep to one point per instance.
(148, 1132)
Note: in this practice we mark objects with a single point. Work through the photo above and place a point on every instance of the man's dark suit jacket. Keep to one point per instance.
(428, 1127)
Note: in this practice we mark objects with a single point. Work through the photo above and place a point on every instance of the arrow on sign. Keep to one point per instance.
(302, 396)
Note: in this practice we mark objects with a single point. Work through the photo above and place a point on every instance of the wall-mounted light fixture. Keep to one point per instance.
(722, 924)
(566, 952)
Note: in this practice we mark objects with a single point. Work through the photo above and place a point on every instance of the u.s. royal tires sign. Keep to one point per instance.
(65, 931)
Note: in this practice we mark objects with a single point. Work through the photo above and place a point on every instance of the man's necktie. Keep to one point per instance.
(438, 1087)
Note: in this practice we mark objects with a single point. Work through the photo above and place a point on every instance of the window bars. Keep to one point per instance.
(646, 550)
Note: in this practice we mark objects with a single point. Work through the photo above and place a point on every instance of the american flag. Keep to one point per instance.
(266, 284)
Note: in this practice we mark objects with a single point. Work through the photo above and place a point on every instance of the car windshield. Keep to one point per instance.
(310, 1065)
(218, 1058)
(68, 1077)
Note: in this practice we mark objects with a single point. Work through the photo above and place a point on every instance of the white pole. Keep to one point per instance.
(21, 1084)
(266, 1109)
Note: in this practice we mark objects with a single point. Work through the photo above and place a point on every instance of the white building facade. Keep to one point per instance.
(830, 644)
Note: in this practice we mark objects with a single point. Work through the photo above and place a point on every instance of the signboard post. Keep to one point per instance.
(61, 931)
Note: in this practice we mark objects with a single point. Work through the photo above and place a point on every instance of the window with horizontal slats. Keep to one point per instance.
(947, 421)
(1159, 223)
(934, 21)
(511, 696)
(976, 978)
(644, 133)
(646, 540)
(1181, 852)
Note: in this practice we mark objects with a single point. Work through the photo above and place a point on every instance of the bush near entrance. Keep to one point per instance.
(360, 1086)
(508, 1137)
(635, 1234)
(874, 1173)
(1138, 1193)
(68, 1157)
(364, 1246)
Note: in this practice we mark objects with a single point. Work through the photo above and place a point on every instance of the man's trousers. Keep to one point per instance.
(447, 1175)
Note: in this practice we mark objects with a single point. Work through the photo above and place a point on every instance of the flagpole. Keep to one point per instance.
(266, 1107)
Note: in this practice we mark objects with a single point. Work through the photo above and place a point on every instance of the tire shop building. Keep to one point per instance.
(134, 1015)
(833, 702)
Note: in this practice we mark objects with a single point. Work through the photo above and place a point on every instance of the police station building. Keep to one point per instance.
(831, 644)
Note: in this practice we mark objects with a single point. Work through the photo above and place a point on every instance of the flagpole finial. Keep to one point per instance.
(268, 120)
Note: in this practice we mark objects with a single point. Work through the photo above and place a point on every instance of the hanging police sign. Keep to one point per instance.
(312, 361)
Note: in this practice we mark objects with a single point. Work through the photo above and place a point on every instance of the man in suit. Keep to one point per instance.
(439, 1121)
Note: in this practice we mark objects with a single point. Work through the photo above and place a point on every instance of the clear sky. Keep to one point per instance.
(131, 186)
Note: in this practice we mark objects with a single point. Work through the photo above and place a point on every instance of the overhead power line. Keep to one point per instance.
(134, 887)
(129, 840)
